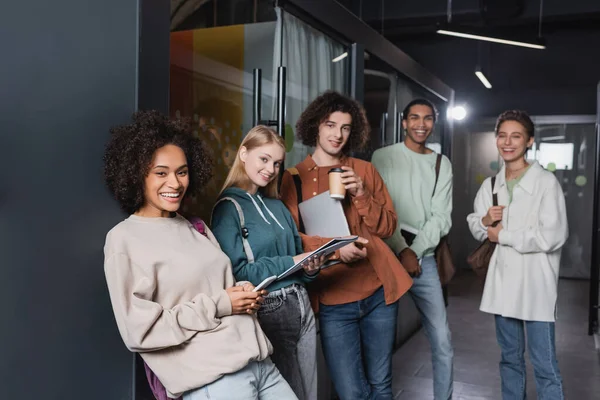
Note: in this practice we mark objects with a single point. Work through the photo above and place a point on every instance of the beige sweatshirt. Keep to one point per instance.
(167, 287)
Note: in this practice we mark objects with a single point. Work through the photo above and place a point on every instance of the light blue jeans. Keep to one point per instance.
(259, 380)
(426, 292)
(510, 333)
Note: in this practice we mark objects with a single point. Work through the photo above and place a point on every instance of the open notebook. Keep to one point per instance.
(325, 250)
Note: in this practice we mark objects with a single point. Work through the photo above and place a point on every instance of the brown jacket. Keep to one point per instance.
(371, 216)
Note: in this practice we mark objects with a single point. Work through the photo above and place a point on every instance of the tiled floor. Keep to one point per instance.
(476, 373)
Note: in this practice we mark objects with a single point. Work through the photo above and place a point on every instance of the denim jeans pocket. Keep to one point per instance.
(271, 305)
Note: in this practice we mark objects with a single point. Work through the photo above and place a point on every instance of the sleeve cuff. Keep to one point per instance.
(505, 238)
(419, 252)
(309, 278)
(288, 261)
(223, 303)
(362, 201)
(481, 225)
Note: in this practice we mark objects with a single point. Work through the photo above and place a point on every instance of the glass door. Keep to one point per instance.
(594, 310)
(215, 49)
(568, 150)
(314, 63)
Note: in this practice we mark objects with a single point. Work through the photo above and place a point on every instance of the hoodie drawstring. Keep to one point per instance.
(269, 211)
(258, 208)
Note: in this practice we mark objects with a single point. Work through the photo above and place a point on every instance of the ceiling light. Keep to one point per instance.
(552, 138)
(491, 39)
(458, 113)
(482, 78)
(340, 57)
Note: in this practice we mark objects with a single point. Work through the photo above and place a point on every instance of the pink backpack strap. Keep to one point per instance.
(159, 391)
(198, 224)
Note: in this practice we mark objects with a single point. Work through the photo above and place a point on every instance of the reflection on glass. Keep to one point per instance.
(211, 82)
(555, 155)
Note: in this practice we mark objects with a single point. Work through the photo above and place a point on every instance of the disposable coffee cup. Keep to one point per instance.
(337, 190)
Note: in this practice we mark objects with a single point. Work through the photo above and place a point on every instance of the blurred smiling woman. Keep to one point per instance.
(522, 279)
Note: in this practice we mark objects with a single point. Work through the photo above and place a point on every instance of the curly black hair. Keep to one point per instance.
(129, 152)
(321, 108)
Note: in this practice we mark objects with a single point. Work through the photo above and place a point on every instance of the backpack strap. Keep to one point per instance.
(494, 197)
(438, 163)
(199, 225)
(245, 243)
(298, 184)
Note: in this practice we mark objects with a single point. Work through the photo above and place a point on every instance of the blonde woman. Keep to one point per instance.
(267, 245)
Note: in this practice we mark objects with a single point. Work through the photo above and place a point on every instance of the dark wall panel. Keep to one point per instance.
(68, 72)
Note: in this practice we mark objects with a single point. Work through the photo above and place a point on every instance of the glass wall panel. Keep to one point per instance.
(212, 77)
(568, 150)
(315, 63)
(212, 80)
(565, 149)
(387, 92)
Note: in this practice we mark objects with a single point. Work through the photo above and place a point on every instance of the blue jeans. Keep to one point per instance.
(289, 322)
(510, 333)
(426, 292)
(358, 341)
(259, 380)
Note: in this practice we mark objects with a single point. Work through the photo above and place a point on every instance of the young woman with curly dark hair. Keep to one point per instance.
(357, 298)
(172, 289)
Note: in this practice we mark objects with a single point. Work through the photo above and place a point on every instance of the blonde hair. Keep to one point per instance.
(258, 136)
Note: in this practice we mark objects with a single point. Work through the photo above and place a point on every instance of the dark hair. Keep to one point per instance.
(519, 116)
(322, 107)
(420, 102)
(129, 152)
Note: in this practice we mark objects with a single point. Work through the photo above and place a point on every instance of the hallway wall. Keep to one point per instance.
(69, 71)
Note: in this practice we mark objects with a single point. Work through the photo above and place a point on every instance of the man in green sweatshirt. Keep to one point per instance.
(408, 169)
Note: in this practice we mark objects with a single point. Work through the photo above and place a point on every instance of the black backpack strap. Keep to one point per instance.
(494, 197)
(298, 184)
(438, 163)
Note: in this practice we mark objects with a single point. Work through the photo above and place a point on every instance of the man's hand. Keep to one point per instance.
(494, 214)
(410, 262)
(493, 233)
(312, 265)
(354, 184)
(354, 251)
(244, 300)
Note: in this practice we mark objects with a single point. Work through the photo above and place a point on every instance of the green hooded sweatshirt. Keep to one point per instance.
(272, 235)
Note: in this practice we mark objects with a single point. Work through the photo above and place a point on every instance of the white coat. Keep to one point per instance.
(522, 279)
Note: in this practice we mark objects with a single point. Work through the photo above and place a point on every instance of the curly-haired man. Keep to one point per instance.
(356, 298)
